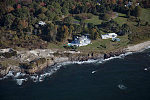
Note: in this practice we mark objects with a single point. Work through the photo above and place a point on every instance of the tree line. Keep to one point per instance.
(22, 16)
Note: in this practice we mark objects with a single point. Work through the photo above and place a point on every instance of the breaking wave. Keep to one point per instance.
(21, 78)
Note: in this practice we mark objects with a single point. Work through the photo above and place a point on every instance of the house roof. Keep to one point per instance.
(81, 41)
(42, 23)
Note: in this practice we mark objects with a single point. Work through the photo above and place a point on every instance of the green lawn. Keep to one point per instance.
(145, 15)
(105, 45)
(121, 19)
(100, 45)
(95, 20)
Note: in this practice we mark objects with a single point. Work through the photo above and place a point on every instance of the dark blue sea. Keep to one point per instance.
(126, 78)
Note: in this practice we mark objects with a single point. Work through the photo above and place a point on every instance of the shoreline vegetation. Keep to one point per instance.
(34, 34)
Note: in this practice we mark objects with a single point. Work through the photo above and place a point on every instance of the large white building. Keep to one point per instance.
(109, 35)
(80, 41)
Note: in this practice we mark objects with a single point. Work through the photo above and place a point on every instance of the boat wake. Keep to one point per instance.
(122, 87)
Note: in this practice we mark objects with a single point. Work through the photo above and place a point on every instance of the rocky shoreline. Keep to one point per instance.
(28, 61)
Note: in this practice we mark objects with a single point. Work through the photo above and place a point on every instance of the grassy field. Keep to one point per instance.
(100, 45)
(95, 20)
(146, 15)
(121, 19)
(105, 45)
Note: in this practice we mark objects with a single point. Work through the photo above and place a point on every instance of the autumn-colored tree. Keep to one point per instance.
(66, 32)
(113, 1)
(93, 34)
(120, 1)
(42, 10)
(9, 9)
(71, 29)
(23, 23)
(63, 34)
(42, 17)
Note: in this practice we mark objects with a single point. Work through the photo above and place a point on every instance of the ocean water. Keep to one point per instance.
(123, 78)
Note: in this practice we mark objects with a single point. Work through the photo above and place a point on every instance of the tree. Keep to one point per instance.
(50, 15)
(66, 33)
(113, 1)
(128, 14)
(146, 23)
(106, 17)
(42, 17)
(57, 8)
(42, 10)
(50, 34)
(93, 34)
(22, 12)
(125, 29)
(71, 29)
(82, 23)
(65, 11)
(90, 25)
(139, 22)
(138, 11)
(63, 33)
(8, 20)
(68, 20)
(9, 2)
(108, 8)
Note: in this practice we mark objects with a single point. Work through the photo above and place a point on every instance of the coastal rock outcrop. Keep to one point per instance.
(34, 61)
(115, 53)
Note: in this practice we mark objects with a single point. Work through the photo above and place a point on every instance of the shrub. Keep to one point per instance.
(106, 17)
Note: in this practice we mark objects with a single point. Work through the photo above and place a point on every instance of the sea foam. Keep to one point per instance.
(22, 77)
(20, 81)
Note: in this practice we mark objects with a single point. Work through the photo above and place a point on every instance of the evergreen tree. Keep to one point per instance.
(68, 20)
(128, 14)
(8, 20)
(65, 11)
(138, 11)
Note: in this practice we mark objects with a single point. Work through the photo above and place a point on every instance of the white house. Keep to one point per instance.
(109, 35)
(41, 23)
(128, 4)
(80, 41)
